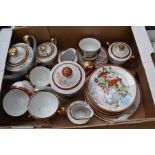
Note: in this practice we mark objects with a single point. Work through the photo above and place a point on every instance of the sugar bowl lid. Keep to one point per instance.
(20, 56)
(120, 51)
(46, 50)
(111, 89)
(67, 77)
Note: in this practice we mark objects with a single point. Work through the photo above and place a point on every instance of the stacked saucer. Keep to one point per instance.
(112, 92)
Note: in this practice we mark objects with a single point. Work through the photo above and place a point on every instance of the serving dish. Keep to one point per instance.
(111, 89)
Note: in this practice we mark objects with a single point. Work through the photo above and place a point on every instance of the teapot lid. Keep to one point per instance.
(20, 55)
(46, 50)
(66, 77)
(120, 51)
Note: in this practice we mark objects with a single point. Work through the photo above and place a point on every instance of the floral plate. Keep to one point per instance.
(126, 115)
(111, 88)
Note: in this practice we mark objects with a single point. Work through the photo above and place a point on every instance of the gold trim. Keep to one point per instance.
(26, 38)
(13, 51)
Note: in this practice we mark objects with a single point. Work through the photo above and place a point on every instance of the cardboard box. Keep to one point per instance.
(68, 36)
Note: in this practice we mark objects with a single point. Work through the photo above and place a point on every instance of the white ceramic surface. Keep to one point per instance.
(15, 102)
(67, 85)
(124, 116)
(21, 61)
(24, 85)
(89, 46)
(43, 105)
(119, 53)
(112, 88)
(39, 76)
(69, 54)
(79, 112)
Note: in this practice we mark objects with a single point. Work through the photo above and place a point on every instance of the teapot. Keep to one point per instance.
(20, 58)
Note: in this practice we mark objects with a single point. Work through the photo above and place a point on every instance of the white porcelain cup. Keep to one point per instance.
(89, 47)
(24, 86)
(39, 76)
(15, 102)
(43, 105)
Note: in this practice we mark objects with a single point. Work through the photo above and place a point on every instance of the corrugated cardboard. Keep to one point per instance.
(70, 37)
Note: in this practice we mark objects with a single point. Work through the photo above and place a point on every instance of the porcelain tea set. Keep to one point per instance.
(111, 92)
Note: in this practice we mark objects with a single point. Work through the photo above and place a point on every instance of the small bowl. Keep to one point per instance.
(43, 105)
(79, 112)
(39, 76)
(15, 102)
(89, 47)
(23, 85)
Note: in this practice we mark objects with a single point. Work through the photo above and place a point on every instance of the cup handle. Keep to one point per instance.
(27, 77)
(61, 111)
(54, 41)
(82, 53)
(26, 39)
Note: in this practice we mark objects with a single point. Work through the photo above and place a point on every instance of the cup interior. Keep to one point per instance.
(90, 44)
(39, 76)
(15, 102)
(81, 112)
(68, 55)
(43, 105)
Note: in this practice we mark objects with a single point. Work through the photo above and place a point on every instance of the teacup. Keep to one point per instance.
(24, 86)
(39, 76)
(15, 102)
(79, 112)
(43, 105)
(89, 47)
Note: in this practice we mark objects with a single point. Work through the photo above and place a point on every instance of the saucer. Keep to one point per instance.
(122, 117)
(112, 89)
(99, 60)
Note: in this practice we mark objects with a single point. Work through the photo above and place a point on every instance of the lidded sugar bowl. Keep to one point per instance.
(67, 78)
(46, 52)
(119, 53)
(20, 58)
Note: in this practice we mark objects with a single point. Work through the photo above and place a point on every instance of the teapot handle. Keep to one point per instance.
(26, 39)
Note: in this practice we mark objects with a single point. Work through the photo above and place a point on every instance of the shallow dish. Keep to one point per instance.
(111, 88)
(79, 112)
(100, 60)
(126, 115)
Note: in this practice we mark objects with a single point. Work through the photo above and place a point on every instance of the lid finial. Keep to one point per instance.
(12, 51)
(121, 47)
(67, 71)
